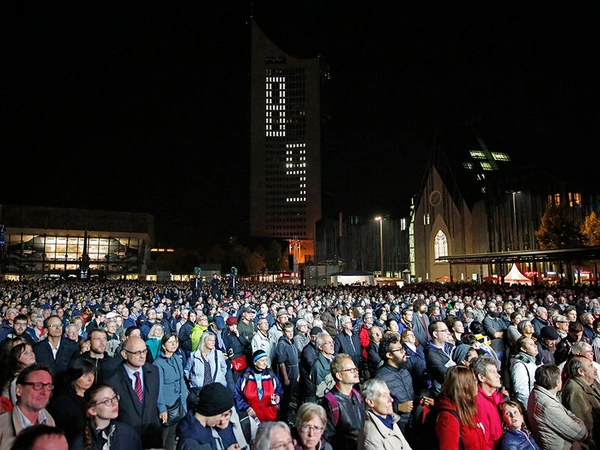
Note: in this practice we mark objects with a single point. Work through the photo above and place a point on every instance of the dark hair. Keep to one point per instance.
(77, 368)
(575, 327)
(165, 338)
(49, 318)
(21, 317)
(131, 329)
(97, 330)
(385, 344)
(476, 327)
(11, 366)
(547, 376)
(418, 303)
(28, 437)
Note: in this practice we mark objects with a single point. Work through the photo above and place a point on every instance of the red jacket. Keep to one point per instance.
(363, 336)
(448, 429)
(487, 411)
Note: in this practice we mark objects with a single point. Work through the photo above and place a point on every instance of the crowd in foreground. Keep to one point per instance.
(132, 365)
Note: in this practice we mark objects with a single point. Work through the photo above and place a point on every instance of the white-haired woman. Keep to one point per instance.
(381, 431)
(274, 436)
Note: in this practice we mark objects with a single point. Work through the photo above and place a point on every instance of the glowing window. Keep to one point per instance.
(486, 165)
(440, 245)
(477, 154)
(499, 156)
(556, 199)
(468, 165)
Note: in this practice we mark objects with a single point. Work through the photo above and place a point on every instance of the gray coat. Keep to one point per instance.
(554, 427)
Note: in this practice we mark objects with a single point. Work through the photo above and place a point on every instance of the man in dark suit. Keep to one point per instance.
(137, 383)
(56, 350)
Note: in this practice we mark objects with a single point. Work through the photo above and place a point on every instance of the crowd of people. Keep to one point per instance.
(189, 366)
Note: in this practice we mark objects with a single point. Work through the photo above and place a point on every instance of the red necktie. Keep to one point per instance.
(138, 387)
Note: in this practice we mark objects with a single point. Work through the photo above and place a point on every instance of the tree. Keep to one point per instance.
(590, 230)
(273, 257)
(558, 229)
(255, 263)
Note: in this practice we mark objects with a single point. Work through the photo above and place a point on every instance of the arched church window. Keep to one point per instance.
(441, 245)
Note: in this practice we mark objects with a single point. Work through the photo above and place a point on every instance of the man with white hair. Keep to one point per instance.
(584, 349)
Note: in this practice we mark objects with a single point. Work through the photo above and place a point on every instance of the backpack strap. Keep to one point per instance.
(455, 414)
(335, 407)
(357, 395)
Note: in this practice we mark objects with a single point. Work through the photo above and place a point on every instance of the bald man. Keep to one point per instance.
(137, 383)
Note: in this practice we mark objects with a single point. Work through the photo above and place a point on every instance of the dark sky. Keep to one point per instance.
(145, 109)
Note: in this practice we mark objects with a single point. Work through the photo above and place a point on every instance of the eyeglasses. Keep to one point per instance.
(282, 445)
(38, 386)
(55, 325)
(352, 369)
(311, 428)
(109, 401)
(138, 353)
(400, 349)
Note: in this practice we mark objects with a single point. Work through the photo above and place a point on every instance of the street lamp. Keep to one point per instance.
(514, 202)
(380, 220)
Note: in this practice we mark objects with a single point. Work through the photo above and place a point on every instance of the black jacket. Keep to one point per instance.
(67, 351)
(401, 389)
(349, 344)
(143, 418)
(123, 437)
(344, 435)
(68, 411)
(105, 367)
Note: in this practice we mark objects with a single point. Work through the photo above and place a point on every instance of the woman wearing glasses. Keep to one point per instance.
(102, 431)
(310, 424)
(381, 430)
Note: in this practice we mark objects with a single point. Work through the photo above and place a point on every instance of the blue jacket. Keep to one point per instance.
(517, 440)
(172, 382)
(400, 384)
(193, 436)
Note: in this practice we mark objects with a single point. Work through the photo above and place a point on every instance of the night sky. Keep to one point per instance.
(133, 108)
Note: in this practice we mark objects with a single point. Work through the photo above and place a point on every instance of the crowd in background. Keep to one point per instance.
(135, 364)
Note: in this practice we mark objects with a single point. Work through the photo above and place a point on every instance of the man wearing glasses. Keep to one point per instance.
(347, 407)
(34, 387)
(137, 384)
(57, 351)
(20, 327)
(438, 355)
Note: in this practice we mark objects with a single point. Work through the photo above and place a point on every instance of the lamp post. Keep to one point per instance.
(380, 220)
(514, 202)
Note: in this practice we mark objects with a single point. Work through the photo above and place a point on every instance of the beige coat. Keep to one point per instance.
(10, 426)
(376, 436)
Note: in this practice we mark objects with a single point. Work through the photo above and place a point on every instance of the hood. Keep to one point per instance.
(189, 427)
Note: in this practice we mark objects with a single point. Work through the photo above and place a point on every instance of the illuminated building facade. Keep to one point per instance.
(286, 127)
(44, 242)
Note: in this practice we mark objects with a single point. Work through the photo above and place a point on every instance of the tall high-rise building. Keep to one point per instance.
(286, 128)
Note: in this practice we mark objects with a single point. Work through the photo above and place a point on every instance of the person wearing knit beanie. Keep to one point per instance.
(214, 399)
(214, 423)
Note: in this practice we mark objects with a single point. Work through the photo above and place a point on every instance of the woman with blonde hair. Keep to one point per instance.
(457, 425)
(311, 420)
(207, 364)
(153, 342)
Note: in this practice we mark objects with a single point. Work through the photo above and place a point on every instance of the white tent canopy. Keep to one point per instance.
(515, 276)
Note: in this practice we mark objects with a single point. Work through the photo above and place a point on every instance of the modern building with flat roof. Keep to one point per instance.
(45, 241)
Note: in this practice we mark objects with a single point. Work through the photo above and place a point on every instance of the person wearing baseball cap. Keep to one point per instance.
(237, 347)
(211, 421)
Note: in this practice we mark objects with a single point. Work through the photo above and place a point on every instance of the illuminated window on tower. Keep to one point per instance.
(275, 106)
